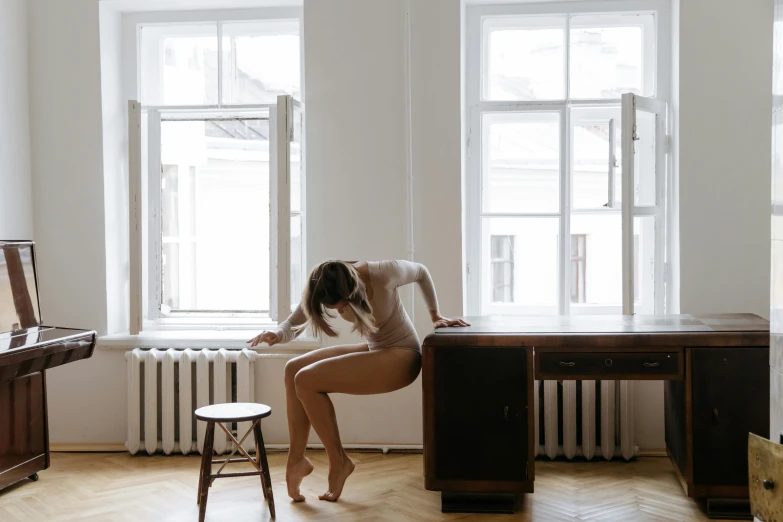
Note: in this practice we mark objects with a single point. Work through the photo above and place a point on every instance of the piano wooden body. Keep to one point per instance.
(27, 349)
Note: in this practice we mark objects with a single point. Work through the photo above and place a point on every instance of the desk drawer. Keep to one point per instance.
(617, 365)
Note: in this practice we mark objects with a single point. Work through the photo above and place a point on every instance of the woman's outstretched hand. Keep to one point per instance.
(270, 338)
(443, 322)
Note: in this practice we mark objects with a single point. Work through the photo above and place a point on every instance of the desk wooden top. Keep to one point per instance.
(591, 332)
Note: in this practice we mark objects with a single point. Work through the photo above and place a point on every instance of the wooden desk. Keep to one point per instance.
(478, 395)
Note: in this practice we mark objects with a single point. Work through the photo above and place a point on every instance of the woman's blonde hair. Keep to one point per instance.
(330, 283)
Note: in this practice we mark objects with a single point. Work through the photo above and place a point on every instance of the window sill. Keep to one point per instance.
(201, 339)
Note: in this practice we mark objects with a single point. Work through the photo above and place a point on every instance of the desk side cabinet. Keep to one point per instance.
(709, 415)
(477, 420)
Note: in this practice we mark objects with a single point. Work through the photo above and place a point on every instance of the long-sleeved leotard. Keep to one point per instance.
(395, 329)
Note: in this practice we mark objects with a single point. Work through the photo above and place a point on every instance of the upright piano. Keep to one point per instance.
(27, 350)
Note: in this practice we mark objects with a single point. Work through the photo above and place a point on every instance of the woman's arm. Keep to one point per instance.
(400, 273)
(285, 332)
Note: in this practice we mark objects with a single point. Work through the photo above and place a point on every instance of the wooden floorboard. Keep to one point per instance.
(110, 487)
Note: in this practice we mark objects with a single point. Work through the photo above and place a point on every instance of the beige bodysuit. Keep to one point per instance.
(395, 329)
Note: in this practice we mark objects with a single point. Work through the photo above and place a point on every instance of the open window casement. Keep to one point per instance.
(643, 209)
(161, 139)
(286, 208)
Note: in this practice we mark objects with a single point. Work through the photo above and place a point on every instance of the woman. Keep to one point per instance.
(364, 294)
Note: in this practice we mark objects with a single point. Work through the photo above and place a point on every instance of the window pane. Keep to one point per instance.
(596, 262)
(215, 215)
(297, 261)
(528, 284)
(502, 269)
(644, 159)
(296, 163)
(261, 61)
(777, 63)
(179, 64)
(578, 268)
(777, 162)
(521, 163)
(644, 262)
(590, 157)
(612, 55)
(524, 58)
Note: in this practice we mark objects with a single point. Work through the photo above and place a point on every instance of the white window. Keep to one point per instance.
(217, 172)
(565, 102)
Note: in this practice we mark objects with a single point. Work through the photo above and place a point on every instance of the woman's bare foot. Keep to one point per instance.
(294, 474)
(337, 478)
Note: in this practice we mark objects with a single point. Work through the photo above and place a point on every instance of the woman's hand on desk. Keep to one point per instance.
(442, 322)
(270, 338)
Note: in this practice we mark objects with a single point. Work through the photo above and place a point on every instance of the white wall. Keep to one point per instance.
(360, 85)
(16, 210)
(436, 103)
(721, 98)
(115, 167)
(356, 73)
(725, 77)
(356, 129)
(358, 162)
(86, 399)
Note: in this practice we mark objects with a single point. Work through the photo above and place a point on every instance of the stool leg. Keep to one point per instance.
(266, 480)
(204, 459)
(206, 470)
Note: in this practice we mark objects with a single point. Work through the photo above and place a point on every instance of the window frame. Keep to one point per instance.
(504, 261)
(144, 295)
(476, 106)
(581, 268)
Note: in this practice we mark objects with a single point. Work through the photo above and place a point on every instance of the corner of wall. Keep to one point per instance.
(673, 305)
(16, 200)
(115, 171)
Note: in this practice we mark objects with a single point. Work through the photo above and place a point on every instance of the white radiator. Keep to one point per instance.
(166, 386)
(604, 425)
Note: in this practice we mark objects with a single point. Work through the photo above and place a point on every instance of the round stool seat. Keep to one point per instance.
(233, 412)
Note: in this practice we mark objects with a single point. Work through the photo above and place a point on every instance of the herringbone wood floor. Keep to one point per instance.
(117, 487)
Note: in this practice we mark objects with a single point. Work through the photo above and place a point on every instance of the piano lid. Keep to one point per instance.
(19, 308)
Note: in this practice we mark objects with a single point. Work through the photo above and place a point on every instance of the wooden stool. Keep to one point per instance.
(227, 413)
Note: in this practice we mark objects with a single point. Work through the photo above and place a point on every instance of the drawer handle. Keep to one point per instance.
(567, 363)
(769, 485)
(651, 364)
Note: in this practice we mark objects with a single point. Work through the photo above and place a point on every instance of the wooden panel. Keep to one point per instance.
(730, 399)
(17, 363)
(428, 412)
(608, 365)
(23, 427)
(590, 332)
(676, 427)
(609, 341)
(479, 429)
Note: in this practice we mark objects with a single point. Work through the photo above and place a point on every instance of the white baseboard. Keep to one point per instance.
(651, 453)
(87, 447)
(112, 447)
(119, 447)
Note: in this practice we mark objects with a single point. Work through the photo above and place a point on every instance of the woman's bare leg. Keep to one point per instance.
(364, 373)
(300, 466)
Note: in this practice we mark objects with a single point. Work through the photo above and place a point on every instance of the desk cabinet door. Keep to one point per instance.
(730, 399)
(480, 413)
